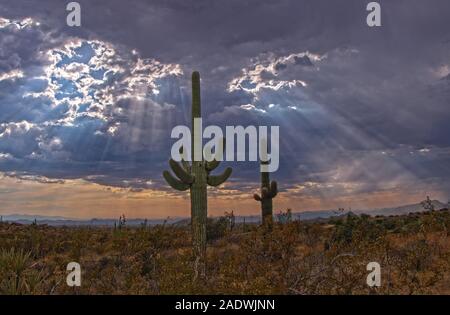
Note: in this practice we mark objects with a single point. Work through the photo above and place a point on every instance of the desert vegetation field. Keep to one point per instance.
(326, 256)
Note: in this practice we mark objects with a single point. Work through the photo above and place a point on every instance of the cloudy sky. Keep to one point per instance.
(86, 112)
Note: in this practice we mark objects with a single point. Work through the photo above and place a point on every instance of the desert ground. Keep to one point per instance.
(326, 256)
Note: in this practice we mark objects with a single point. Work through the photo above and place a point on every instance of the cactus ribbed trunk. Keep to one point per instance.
(199, 205)
(269, 190)
(199, 212)
(266, 203)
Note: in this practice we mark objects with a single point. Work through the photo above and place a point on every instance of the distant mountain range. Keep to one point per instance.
(404, 209)
(304, 216)
(28, 217)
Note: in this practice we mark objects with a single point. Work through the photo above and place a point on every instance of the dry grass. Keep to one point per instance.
(326, 257)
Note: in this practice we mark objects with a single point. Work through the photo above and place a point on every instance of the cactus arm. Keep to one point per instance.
(273, 189)
(181, 172)
(186, 165)
(212, 165)
(175, 183)
(216, 180)
(257, 197)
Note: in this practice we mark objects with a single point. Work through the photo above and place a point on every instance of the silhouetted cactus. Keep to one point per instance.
(122, 222)
(196, 176)
(285, 217)
(231, 219)
(268, 191)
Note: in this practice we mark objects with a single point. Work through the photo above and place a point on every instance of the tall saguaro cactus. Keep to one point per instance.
(195, 176)
(269, 190)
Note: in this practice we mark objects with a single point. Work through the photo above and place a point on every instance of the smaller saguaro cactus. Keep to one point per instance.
(231, 219)
(269, 190)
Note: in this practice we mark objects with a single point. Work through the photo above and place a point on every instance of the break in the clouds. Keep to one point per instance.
(81, 108)
(361, 110)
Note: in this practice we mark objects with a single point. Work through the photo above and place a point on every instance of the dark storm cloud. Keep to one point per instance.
(354, 104)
